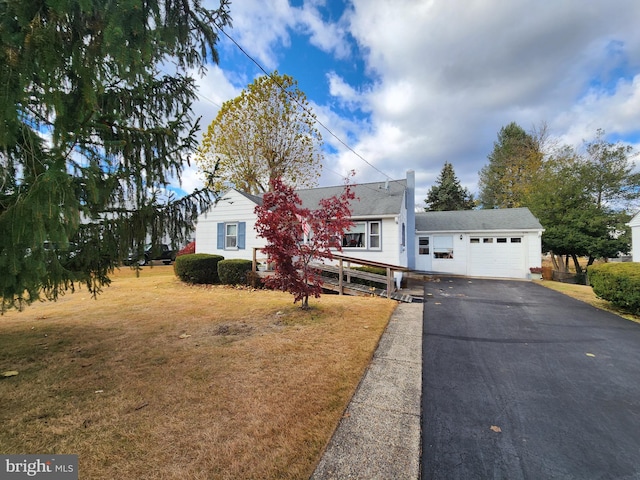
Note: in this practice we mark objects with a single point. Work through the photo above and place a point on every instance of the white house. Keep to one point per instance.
(382, 213)
(494, 243)
(479, 243)
(635, 237)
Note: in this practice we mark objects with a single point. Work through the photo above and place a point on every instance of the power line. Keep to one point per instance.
(204, 97)
(303, 106)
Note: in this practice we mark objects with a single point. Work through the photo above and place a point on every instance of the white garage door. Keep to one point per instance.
(502, 257)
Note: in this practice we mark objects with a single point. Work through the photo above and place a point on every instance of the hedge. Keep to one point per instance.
(197, 268)
(618, 283)
(368, 269)
(234, 271)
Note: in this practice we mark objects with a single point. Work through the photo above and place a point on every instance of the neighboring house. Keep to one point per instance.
(635, 237)
(485, 243)
(479, 243)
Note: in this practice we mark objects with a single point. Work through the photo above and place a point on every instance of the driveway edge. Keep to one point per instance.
(379, 434)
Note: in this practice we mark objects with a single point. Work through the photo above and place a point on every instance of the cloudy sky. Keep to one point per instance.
(411, 84)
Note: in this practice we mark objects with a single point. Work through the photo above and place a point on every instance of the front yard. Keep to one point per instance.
(157, 379)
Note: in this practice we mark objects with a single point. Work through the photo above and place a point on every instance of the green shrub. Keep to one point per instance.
(234, 271)
(370, 283)
(618, 283)
(377, 270)
(197, 268)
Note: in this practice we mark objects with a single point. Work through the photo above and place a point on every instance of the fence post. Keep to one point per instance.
(340, 278)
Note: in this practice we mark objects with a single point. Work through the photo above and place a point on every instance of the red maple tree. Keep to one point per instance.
(296, 237)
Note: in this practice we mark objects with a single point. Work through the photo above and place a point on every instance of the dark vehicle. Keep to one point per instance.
(160, 252)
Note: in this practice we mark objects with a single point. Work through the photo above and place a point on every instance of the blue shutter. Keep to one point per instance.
(242, 234)
(220, 236)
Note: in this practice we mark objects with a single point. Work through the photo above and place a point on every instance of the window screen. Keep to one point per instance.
(443, 246)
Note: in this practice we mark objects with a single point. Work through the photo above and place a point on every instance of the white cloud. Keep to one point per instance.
(261, 28)
(444, 77)
(451, 74)
(345, 93)
(328, 37)
(214, 88)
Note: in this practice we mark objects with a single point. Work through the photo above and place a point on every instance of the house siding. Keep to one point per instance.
(485, 260)
(390, 243)
(456, 265)
(232, 208)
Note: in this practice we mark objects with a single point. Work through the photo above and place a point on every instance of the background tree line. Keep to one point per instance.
(583, 196)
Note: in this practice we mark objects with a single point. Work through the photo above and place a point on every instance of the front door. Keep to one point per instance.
(423, 254)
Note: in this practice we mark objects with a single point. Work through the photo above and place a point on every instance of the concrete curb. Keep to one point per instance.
(379, 435)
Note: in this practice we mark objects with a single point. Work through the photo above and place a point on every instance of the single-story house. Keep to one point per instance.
(635, 237)
(380, 213)
(387, 229)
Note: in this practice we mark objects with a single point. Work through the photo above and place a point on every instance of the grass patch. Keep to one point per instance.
(585, 294)
(157, 379)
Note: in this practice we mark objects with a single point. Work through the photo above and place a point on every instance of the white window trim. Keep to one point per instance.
(368, 235)
(227, 236)
(374, 235)
(422, 247)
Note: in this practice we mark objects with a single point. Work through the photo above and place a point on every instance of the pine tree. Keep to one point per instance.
(96, 121)
(513, 168)
(447, 194)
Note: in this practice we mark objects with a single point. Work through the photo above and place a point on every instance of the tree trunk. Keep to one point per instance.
(576, 263)
(558, 263)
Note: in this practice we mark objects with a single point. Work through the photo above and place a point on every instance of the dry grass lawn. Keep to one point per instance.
(159, 380)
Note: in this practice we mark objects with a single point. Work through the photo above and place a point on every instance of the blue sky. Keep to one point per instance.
(411, 84)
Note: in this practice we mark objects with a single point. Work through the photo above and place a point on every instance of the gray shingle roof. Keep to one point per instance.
(477, 220)
(257, 199)
(372, 199)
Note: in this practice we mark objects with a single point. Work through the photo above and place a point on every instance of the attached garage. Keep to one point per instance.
(502, 243)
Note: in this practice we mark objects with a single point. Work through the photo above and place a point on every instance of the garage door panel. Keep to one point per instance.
(496, 259)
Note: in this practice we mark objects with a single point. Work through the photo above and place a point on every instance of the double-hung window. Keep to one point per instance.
(374, 235)
(231, 235)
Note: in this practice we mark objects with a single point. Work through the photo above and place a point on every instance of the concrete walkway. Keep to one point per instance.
(379, 434)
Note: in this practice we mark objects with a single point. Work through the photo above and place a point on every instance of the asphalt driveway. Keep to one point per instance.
(521, 382)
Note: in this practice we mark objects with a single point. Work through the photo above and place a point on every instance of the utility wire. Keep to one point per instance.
(303, 106)
(204, 97)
